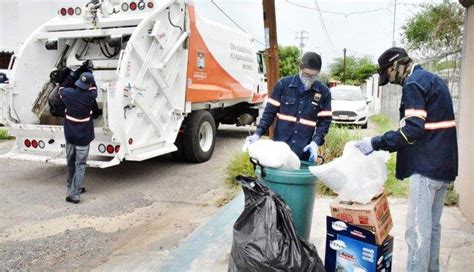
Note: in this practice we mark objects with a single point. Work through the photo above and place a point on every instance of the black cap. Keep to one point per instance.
(386, 60)
(311, 60)
(85, 81)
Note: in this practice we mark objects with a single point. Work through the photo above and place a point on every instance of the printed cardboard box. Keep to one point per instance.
(373, 216)
(353, 249)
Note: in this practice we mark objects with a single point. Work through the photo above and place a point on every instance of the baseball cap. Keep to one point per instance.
(85, 81)
(311, 60)
(386, 60)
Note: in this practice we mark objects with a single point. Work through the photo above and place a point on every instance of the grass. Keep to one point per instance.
(383, 122)
(239, 165)
(4, 135)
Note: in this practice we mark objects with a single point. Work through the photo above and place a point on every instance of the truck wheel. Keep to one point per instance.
(199, 136)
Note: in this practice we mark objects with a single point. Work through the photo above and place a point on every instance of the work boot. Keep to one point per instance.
(72, 200)
(83, 190)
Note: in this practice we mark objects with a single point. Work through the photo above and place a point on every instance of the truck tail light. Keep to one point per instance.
(27, 143)
(124, 7)
(110, 149)
(78, 11)
(133, 6)
(150, 5)
(70, 11)
(117, 148)
(102, 148)
(63, 11)
(34, 144)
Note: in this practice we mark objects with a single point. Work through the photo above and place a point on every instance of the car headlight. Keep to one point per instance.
(361, 108)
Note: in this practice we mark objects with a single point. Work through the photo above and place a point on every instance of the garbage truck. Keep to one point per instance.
(166, 78)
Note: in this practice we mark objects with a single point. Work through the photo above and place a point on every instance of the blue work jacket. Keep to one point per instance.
(426, 140)
(78, 121)
(301, 115)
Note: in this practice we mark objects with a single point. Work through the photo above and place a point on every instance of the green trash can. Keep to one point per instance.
(298, 190)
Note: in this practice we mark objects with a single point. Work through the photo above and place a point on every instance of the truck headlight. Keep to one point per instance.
(359, 109)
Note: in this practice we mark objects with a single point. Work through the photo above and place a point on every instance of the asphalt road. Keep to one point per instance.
(135, 211)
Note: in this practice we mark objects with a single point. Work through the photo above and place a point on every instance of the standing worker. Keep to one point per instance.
(427, 152)
(302, 105)
(79, 131)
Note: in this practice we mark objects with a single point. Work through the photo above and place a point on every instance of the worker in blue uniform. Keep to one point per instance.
(78, 131)
(427, 152)
(302, 106)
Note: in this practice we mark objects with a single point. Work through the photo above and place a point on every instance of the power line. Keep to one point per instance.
(323, 25)
(233, 21)
(346, 14)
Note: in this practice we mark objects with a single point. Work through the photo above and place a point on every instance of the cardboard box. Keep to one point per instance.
(353, 249)
(373, 216)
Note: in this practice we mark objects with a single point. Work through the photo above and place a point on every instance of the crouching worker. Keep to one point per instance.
(79, 131)
(427, 152)
(302, 106)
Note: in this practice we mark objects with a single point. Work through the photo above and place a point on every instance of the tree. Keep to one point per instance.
(435, 31)
(289, 60)
(357, 69)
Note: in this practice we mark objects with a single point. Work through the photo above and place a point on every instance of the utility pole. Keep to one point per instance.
(271, 46)
(301, 36)
(394, 21)
(344, 68)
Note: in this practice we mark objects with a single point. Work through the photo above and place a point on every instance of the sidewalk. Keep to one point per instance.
(208, 248)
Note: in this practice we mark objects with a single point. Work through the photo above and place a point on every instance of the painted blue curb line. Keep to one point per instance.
(217, 234)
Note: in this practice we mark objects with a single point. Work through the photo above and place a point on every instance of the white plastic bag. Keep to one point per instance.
(355, 176)
(274, 154)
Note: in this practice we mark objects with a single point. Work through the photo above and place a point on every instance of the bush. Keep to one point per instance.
(336, 139)
(4, 135)
(452, 198)
(240, 165)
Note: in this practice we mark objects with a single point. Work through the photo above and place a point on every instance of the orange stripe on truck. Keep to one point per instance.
(211, 83)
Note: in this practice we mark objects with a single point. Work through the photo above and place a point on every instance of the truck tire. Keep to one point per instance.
(199, 136)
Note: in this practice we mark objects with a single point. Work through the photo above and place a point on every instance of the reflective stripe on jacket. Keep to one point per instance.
(301, 117)
(78, 122)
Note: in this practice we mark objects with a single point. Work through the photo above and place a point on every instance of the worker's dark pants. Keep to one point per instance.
(76, 167)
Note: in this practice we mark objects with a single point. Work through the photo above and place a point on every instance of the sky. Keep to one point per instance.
(363, 27)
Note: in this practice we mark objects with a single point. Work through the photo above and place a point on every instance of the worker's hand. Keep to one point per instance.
(313, 151)
(250, 140)
(365, 145)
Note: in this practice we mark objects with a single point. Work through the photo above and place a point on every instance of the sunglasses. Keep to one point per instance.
(309, 76)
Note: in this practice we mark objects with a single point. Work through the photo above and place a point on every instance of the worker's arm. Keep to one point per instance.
(272, 108)
(412, 125)
(324, 120)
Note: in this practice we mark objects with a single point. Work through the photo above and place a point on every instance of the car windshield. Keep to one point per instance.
(347, 94)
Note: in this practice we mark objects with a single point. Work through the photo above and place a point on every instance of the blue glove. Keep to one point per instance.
(252, 139)
(365, 145)
(313, 151)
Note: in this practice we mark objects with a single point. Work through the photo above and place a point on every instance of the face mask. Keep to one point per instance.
(307, 81)
(399, 73)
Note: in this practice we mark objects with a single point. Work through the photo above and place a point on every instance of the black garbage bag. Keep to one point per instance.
(264, 235)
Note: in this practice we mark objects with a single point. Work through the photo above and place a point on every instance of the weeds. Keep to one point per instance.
(4, 135)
